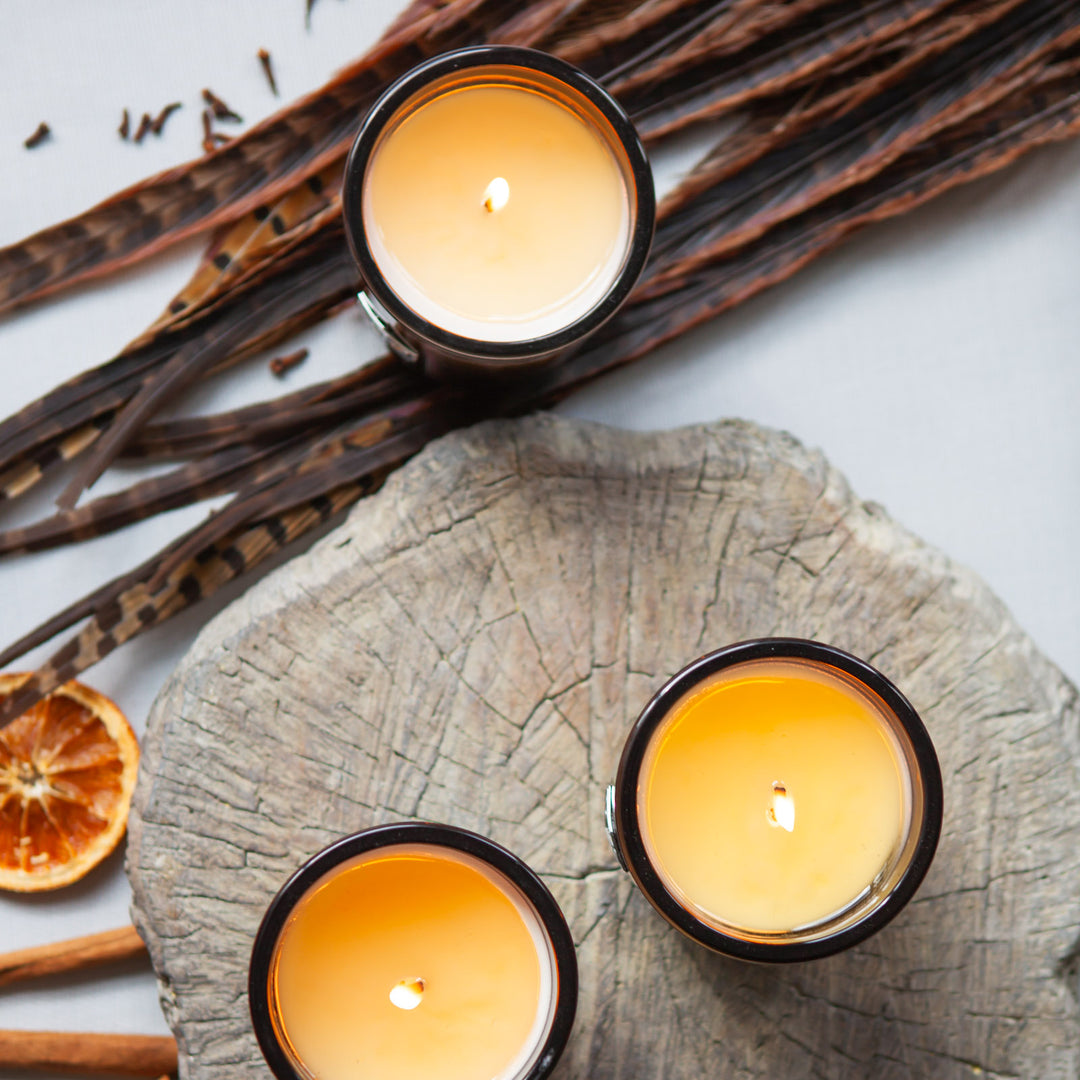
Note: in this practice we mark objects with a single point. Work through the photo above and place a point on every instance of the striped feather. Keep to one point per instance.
(247, 242)
(251, 170)
(132, 608)
(327, 269)
(374, 384)
(810, 169)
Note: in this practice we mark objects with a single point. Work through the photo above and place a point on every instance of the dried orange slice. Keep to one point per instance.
(67, 771)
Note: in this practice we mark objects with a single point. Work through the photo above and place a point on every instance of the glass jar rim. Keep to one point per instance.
(778, 947)
(428, 834)
(459, 61)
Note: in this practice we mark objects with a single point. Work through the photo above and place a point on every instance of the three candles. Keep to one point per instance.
(776, 800)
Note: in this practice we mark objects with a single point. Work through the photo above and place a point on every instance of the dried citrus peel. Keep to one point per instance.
(67, 772)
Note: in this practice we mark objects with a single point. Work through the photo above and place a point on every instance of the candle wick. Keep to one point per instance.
(407, 994)
(496, 195)
(782, 812)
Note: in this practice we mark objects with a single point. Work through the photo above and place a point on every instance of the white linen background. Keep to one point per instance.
(935, 359)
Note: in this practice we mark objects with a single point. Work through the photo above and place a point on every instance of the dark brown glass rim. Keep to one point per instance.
(628, 828)
(496, 856)
(489, 56)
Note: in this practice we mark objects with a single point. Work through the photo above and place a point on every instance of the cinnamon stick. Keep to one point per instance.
(71, 955)
(86, 1052)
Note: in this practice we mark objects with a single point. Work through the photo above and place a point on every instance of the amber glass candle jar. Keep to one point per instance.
(777, 800)
(413, 950)
(500, 207)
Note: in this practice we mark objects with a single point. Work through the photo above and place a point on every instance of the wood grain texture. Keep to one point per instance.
(472, 646)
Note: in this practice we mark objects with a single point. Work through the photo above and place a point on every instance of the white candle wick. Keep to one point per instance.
(496, 195)
(407, 994)
(782, 812)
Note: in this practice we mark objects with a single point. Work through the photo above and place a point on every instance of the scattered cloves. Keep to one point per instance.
(212, 139)
(280, 364)
(42, 132)
(220, 110)
(158, 122)
(145, 124)
(264, 59)
(124, 130)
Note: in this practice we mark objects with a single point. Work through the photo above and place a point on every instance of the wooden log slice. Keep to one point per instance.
(472, 645)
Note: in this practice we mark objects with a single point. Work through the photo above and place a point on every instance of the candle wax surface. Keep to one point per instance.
(436, 927)
(548, 249)
(771, 796)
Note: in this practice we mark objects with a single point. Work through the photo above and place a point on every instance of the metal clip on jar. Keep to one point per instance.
(500, 207)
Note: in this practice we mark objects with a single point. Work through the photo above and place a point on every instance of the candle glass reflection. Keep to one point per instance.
(500, 207)
(413, 949)
(777, 800)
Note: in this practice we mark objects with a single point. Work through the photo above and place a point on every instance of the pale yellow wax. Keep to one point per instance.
(413, 961)
(531, 260)
(772, 796)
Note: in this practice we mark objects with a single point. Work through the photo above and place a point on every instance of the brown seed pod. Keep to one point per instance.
(158, 122)
(264, 59)
(220, 110)
(41, 133)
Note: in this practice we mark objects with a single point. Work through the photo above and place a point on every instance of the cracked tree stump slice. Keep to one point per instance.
(472, 645)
